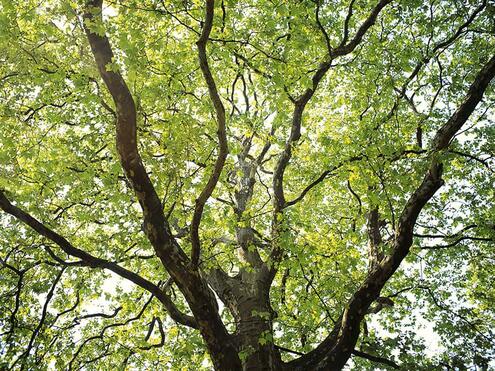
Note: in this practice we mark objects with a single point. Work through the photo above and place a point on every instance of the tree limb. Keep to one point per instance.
(221, 133)
(320, 179)
(96, 262)
(156, 227)
(300, 103)
(295, 132)
(456, 242)
(343, 48)
(198, 294)
(334, 351)
(376, 359)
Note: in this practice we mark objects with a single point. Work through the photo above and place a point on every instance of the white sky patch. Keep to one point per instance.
(109, 11)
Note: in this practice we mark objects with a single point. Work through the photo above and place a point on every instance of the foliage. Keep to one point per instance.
(368, 136)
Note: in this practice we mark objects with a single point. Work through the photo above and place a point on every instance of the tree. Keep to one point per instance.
(294, 183)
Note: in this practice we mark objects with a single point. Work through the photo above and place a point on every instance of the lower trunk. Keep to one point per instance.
(255, 337)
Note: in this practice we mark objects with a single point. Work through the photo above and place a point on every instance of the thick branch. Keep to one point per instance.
(374, 238)
(334, 351)
(156, 227)
(471, 100)
(199, 296)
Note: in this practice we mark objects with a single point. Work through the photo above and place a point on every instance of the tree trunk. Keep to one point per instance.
(255, 336)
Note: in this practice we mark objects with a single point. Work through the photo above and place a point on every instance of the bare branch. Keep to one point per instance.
(320, 179)
(370, 357)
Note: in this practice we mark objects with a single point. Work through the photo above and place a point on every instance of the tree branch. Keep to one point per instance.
(198, 294)
(376, 359)
(346, 23)
(320, 179)
(221, 133)
(96, 262)
(295, 132)
(334, 351)
(471, 100)
(484, 162)
(456, 242)
(375, 254)
(41, 322)
(344, 49)
(300, 103)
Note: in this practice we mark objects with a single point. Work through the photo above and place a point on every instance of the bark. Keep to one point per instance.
(255, 333)
(221, 133)
(199, 296)
(247, 294)
(335, 350)
(374, 239)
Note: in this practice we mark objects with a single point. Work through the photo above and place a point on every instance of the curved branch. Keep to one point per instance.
(156, 226)
(322, 29)
(457, 234)
(456, 242)
(198, 294)
(96, 262)
(439, 47)
(346, 23)
(483, 162)
(101, 335)
(300, 103)
(372, 358)
(221, 133)
(456, 238)
(343, 48)
(334, 351)
(42, 320)
(320, 179)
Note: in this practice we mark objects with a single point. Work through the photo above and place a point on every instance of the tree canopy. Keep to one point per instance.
(254, 184)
